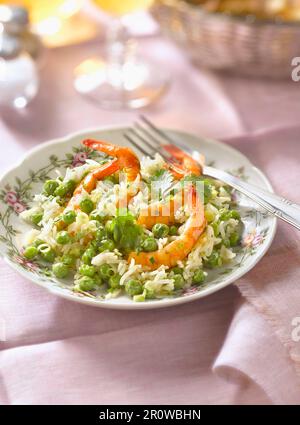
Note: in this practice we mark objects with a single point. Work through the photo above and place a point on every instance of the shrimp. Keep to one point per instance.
(90, 181)
(178, 249)
(165, 214)
(160, 212)
(126, 158)
(185, 163)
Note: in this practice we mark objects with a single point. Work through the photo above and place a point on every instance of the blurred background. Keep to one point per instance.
(219, 67)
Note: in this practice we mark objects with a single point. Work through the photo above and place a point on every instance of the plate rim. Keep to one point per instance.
(164, 302)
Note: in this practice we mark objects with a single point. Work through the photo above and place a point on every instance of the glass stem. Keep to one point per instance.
(119, 52)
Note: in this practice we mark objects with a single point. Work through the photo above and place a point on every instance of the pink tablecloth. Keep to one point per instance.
(221, 349)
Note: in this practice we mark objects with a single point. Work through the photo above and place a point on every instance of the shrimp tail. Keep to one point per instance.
(128, 161)
(184, 163)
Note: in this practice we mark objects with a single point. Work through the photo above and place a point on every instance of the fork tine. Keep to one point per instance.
(155, 143)
(157, 130)
(138, 147)
(143, 139)
(134, 132)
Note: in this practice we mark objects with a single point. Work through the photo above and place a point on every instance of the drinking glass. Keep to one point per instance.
(122, 79)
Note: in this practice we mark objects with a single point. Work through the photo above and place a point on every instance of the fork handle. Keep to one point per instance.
(274, 204)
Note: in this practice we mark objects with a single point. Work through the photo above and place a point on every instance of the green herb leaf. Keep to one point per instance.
(126, 233)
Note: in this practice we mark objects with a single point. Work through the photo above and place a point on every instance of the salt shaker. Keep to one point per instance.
(19, 51)
(19, 81)
(15, 21)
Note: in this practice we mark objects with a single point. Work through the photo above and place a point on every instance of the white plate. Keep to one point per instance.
(19, 184)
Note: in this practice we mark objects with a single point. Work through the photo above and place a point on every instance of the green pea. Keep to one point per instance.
(60, 270)
(106, 245)
(198, 277)
(50, 186)
(30, 252)
(178, 281)
(173, 231)
(65, 188)
(38, 242)
(149, 245)
(234, 239)
(177, 270)
(87, 270)
(98, 279)
(36, 218)
(63, 237)
(133, 287)
(105, 271)
(209, 215)
(114, 281)
(86, 205)
(49, 256)
(69, 217)
(88, 255)
(160, 230)
(95, 215)
(214, 260)
(68, 260)
(70, 186)
(150, 294)
(87, 283)
(75, 251)
(47, 253)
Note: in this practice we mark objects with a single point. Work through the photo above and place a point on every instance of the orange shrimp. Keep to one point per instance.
(186, 164)
(178, 249)
(165, 214)
(126, 158)
(160, 212)
(90, 181)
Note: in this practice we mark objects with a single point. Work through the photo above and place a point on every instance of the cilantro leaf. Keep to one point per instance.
(126, 233)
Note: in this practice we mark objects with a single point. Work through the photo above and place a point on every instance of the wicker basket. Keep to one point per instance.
(238, 45)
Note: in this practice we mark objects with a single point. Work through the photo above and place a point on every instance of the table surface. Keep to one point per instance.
(203, 103)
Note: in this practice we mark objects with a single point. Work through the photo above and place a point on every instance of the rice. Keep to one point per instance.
(227, 254)
(158, 280)
(77, 173)
(163, 281)
(133, 269)
(150, 166)
(105, 258)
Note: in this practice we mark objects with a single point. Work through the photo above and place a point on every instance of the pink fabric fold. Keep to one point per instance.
(272, 287)
(251, 352)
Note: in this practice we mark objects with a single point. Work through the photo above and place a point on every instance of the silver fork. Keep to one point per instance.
(148, 139)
